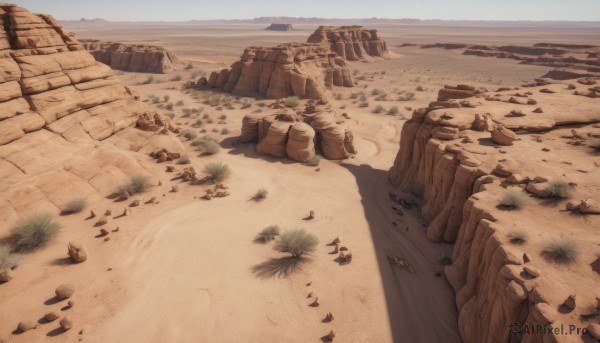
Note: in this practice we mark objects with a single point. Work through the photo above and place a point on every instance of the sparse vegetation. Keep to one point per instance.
(314, 161)
(8, 259)
(138, 183)
(179, 103)
(189, 134)
(176, 78)
(217, 171)
(292, 101)
(376, 91)
(420, 88)
(260, 195)
(393, 111)
(149, 80)
(518, 237)
(222, 117)
(378, 109)
(514, 197)
(32, 232)
(225, 131)
(559, 189)
(364, 104)
(296, 242)
(189, 66)
(207, 146)
(183, 160)
(563, 251)
(166, 98)
(267, 234)
(75, 205)
(169, 106)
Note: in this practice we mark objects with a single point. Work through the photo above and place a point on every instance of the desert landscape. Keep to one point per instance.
(298, 180)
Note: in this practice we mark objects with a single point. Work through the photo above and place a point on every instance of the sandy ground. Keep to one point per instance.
(187, 270)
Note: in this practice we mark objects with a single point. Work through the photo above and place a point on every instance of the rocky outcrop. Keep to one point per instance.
(293, 69)
(353, 43)
(298, 136)
(280, 27)
(501, 288)
(132, 57)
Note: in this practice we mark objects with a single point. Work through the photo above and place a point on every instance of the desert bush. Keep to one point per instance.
(189, 134)
(208, 147)
(296, 242)
(183, 160)
(189, 66)
(406, 96)
(155, 100)
(217, 171)
(364, 104)
(33, 231)
(198, 122)
(166, 98)
(149, 80)
(420, 88)
(222, 117)
(138, 183)
(169, 106)
(209, 121)
(260, 195)
(225, 131)
(595, 144)
(8, 259)
(563, 251)
(75, 205)
(176, 78)
(393, 111)
(356, 95)
(179, 103)
(205, 116)
(378, 109)
(514, 197)
(376, 91)
(267, 234)
(518, 237)
(215, 130)
(314, 161)
(559, 189)
(292, 101)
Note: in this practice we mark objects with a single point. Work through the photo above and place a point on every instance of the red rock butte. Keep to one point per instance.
(353, 43)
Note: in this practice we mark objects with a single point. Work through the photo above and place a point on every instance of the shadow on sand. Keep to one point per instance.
(279, 267)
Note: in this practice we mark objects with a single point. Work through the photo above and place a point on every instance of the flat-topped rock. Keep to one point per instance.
(353, 43)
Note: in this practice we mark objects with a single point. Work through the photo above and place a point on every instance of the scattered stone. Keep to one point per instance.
(526, 258)
(310, 294)
(52, 316)
(102, 221)
(123, 196)
(106, 239)
(315, 303)
(540, 179)
(516, 113)
(331, 335)
(336, 241)
(76, 252)
(92, 214)
(66, 323)
(311, 215)
(6, 275)
(135, 203)
(64, 291)
(348, 258)
(71, 303)
(125, 212)
(538, 110)
(26, 325)
(175, 189)
(116, 229)
(309, 283)
(589, 206)
(570, 303)
(152, 200)
(503, 136)
(103, 232)
(170, 169)
(545, 149)
(343, 248)
(517, 179)
(342, 255)
(531, 271)
(329, 317)
(539, 189)
(337, 248)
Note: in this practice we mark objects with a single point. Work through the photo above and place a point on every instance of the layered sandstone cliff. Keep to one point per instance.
(65, 121)
(293, 69)
(132, 57)
(460, 155)
(280, 27)
(353, 43)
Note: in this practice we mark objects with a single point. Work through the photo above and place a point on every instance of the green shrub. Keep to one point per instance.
(314, 161)
(222, 117)
(514, 197)
(189, 66)
(296, 242)
(393, 111)
(292, 101)
(183, 160)
(179, 103)
(518, 237)
(166, 98)
(189, 134)
(207, 146)
(8, 259)
(260, 195)
(267, 234)
(138, 183)
(225, 131)
(149, 80)
(378, 109)
(563, 251)
(169, 106)
(559, 189)
(217, 171)
(176, 78)
(33, 231)
(75, 205)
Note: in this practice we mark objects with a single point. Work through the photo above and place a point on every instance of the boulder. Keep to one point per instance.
(66, 323)
(539, 189)
(64, 291)
(26, 325)
(332, 143)
(77, 252)
(503, 136)
(589, 206)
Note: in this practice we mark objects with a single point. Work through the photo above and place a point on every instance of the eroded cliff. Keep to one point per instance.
(352, 43)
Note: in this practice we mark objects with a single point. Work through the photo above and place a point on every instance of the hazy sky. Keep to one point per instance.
(180, 10)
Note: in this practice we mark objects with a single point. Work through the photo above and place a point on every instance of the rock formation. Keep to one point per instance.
(280, 27)
(448, 159)
(299, 69)
(66, 123)
(352, 43)
(298, 136)
(132, 57)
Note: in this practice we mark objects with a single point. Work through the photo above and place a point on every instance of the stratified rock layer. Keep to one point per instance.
(353, 43)
(280, 27)
(132, 57)
(293, 69)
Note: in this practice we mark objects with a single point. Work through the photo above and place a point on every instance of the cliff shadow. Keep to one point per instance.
(420, 302)
(249, 150)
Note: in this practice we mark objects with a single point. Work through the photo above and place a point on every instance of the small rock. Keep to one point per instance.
(331, 335)
(545, 149)
(170, 169)
(337, 248)
(92, 214)
(116, 229)
(125, 212)
(531, 271)
(348, 257)
(26, 325)
(76, 252)
(329, 316)
(570, 303)
(503, 136)
(538, 110)
(71, 303)
(589, 206)
(66, 323)
(64, 291)
(336, 241)
(103, 232)
(106, 239)
(108, 213)
(6, 275)
(102, 221)
(539, 189)
(526, 258)
(539, 179)
(572, 205)
(310, 294)
(135, 203)
(315, 303)
(152, 200)
(311, 215)
(517, 178)
(52, 316)
(309, 283)
(175, 189)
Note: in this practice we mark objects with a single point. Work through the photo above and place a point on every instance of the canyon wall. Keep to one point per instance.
(352, 43)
